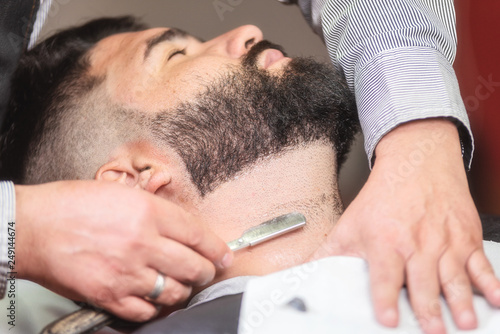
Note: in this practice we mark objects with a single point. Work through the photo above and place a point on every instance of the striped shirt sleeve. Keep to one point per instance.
(7, 215)
(397, 57)
(41, 16)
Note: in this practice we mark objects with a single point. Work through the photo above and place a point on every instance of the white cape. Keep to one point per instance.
(334, 297)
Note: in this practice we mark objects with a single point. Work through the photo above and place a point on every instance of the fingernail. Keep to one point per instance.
(467, 320)
(227, 260)
(390, 317)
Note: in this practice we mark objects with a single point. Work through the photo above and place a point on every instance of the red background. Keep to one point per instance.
(478, 61)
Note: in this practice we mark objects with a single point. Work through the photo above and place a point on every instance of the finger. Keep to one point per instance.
(185, 228)
(326, 248)
(386, 279)
(423, 287)
(181, 263)
(457, 291)
(132, 308)
(171, 291)
(340, 241)
(483, 277)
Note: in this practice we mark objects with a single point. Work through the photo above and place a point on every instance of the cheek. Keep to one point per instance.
(129, 86)
(144, 92)
(192, 77)
(147, 90)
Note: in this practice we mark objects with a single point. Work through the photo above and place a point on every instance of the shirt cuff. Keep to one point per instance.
(407, 84)
(7, 215)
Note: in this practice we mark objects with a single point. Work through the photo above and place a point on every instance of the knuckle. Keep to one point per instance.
(434, 243)
(468, 242)
(456, 289)
(406, 249)
(199, 273)
(177, 294)
(102, 297)
(483, 276)
(143, 211)
(195, 236)
(113, 288)
(129, 236)
(429, 309)
(405, 244)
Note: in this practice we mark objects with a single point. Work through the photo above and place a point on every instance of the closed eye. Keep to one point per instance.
(176, 52)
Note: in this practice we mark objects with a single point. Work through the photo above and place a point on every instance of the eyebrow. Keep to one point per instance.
(164, 36)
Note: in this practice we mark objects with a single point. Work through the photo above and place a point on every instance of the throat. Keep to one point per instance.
(303, 180)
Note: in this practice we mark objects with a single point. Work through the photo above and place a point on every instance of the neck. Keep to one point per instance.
(303, 180)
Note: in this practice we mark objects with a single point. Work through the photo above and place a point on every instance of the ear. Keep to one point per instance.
(118, 170)
(137, 165)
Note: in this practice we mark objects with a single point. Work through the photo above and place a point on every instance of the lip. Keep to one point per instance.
(271, 58)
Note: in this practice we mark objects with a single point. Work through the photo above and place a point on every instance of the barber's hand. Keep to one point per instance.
(415, 222)
(105, 243)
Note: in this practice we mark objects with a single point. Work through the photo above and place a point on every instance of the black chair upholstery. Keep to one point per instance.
(491, 227)
(16, 24)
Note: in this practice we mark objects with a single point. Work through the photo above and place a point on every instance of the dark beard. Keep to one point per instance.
(249, 114)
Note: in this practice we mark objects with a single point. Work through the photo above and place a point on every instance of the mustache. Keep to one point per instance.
(250, 59)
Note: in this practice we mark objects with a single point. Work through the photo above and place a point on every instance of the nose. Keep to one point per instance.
(237, 42)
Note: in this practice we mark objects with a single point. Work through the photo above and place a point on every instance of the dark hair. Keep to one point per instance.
(50, 79)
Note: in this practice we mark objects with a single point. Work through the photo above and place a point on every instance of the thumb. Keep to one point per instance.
(329, 247)
(337, 243)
